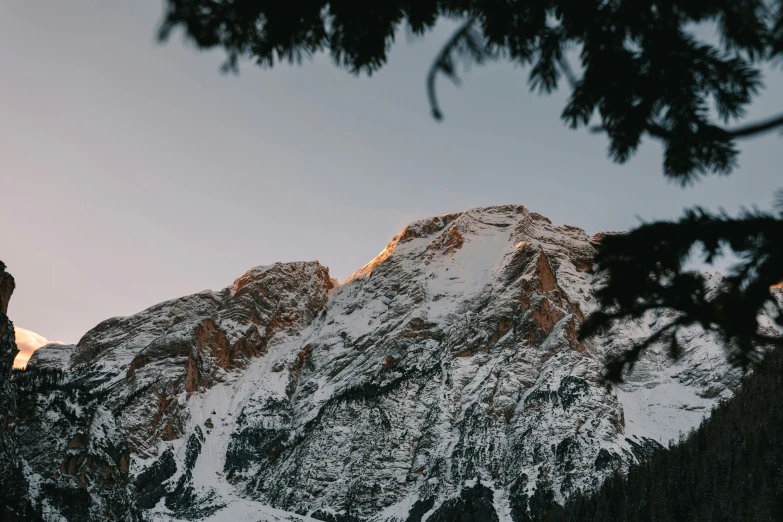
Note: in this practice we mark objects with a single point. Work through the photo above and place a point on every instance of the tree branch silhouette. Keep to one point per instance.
(749, 130)
(463, 38)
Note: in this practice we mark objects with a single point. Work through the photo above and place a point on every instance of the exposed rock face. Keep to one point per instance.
(7, 286)
(148, 364)
(444, 379)
(14, 497)
(8, 348)
(82, 472)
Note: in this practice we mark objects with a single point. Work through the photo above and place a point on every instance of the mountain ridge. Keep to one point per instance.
(447, 371)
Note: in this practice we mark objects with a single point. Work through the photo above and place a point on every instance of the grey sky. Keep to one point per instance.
(131, 173)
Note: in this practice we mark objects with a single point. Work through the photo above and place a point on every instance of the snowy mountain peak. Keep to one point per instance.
(445, 372)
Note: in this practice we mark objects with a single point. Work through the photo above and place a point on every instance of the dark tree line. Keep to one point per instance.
(38, 380)
(729, 469)
(641, 72)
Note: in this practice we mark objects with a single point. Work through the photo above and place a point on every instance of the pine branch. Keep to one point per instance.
(760, 127)
(646, 269)
(565, 67)
(444, 63)
(746, 131)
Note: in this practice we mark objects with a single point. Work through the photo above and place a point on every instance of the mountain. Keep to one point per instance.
(56, 356)
(444, 380)
(730, 468)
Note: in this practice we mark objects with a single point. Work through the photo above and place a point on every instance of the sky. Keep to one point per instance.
(133, 172)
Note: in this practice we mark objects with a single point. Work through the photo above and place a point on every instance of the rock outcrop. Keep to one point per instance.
(445, 376)
(14, 488)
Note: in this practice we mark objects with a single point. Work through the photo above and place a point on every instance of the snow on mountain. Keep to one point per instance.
(445, 373)
(57, 356)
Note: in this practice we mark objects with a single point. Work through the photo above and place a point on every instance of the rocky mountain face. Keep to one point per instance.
(62, 454)
(443, 379)
(14, 498)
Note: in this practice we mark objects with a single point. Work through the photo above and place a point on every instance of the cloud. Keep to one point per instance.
(28, 341)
